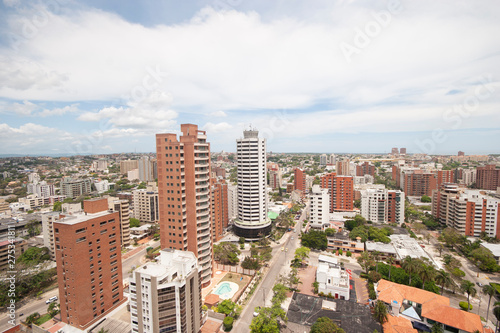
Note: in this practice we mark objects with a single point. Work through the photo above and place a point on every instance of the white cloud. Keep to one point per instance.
(216, 128)
(58, 111)
(218, 114)
(24, 109)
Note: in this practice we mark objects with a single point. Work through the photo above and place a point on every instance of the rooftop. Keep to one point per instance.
(76, 218)
(494, 248)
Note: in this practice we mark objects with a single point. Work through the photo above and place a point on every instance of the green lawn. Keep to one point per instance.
(46, 317)
(236, 278)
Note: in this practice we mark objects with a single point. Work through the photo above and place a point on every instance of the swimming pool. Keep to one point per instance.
(226, 290)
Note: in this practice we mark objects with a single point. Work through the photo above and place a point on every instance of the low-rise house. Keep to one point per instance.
(332, 278)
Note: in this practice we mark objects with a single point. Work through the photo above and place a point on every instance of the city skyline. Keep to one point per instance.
(350, 76)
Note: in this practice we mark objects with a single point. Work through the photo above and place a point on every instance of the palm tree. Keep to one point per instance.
(410, 265)
(443, 278)
(427, 273)
(490, 291)
(496, 312)
(468, 288)
(365, 260)
(380, 312)
(390, 261)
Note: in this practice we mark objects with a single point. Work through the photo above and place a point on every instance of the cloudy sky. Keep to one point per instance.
(311, 75)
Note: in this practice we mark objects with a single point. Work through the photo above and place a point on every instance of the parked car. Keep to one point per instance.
(256, 311)
(50, 300)
(479, 284)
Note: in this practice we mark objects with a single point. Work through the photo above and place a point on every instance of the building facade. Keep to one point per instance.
(488, 178)
(128, 165)
(166, 296)
(219, 209)
(341, 191)
(89, 267)
(252, 221)
(382, 205)
(299, 180)
(72, 188)
(123, 208)
(184, 194)
(146, 204)
(319, 207)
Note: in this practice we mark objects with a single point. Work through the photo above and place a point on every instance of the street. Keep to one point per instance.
(279, 265)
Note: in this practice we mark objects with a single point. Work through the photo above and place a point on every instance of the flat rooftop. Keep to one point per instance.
(76, 218)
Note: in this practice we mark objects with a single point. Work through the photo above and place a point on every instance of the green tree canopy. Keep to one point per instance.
(325, 325)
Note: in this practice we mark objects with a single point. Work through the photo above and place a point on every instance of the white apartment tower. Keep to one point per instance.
(319, 208)
(166, 296)
(252, 221)
(380, 205)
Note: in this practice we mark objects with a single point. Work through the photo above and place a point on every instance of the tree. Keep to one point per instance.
(315, 239)
(365, 260)
(468, 288)
(426, 198)
(426, 273)
(330, 232)
(484, 259)
(32, 318)
(102, 330)
(226, 253)
(267, 320)
(490, 291)
(437, 328)
(443, 278)
(410, 265)
(34, 255)
(134, 223)
(53, 309)
(302, 252)
(325, 325)
(496, 313)
(57, 206)
(380, 312)
(390, 261)
(226, 307)
(250, 263)
(228, 323)
(450, 236)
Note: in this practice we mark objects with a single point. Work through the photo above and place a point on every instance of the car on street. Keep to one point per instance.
(256, 311)
(479, 284)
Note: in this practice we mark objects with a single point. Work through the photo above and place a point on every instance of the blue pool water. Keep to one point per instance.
(223, 289)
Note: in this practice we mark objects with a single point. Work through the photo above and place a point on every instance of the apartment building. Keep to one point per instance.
(319, 208)
(146, 204)
(165, 296)
(219, 208)
(365, 169)
(299, 180)
(252, 221)
(382, 205)
(89, 267)
(488, 177)
(470, 212)
(123, 208)
(128, 165)
(184, 194)
(72, 188)
(341, 191)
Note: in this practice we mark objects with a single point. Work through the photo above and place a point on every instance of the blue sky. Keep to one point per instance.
(312, 76)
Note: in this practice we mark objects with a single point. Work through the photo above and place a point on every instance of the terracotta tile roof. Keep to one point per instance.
(462, 320)
(398, 325)
(435, 307)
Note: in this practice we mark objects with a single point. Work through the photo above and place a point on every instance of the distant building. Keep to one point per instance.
(48, 220)
(232, 201)
(468, 211)
(145, 202)
(323, 159)
(166, 296)
(9, 248)
(343, 168)
(382, 205)
(72, 188)
(128, 165)
(102, 186)
(461, 153)
(402, 151)
(488, 177)
(146, 167)
(365, 169)
(341, 191)
(395, 151)
(133, 175)
(89, 266)
(333, 159)
(219, 209)
(299, 180)
(41, 189)
(274, 179)
(99, 165)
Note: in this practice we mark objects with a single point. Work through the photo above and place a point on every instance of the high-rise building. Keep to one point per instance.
(41, 189)
(48, 232)
(319, 209)
(252, 221)
(365, 169)
(275, 179)
(341, 191)
(402, 151)
(333, 159)
(145, 203)
(343, 168)
(73, 188)
(89, 267)
(461, 153)
(99, 165)
(232, 201)
(468, 211)
(299, 180)
(382, 205)
(323, 159)
(123, 208)
(184, 194)
(146, 167)
(219, 209)
(166, 296)
(394, 151)
(488, 177)
(128, 165)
